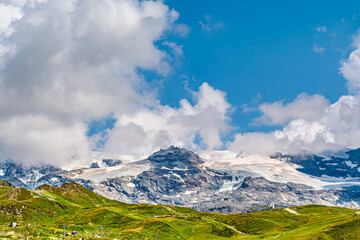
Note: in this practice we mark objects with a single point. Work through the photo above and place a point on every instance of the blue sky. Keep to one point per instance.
(132, 76)
(263, 48)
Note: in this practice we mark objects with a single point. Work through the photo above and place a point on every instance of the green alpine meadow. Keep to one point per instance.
(45, 212)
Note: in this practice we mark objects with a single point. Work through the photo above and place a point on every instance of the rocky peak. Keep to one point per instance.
(14, 169)
(10, 168)
(175, 157)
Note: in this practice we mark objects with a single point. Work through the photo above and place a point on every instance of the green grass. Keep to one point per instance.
(40, 214)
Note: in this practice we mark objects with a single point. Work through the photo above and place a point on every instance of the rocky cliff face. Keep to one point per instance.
(344, 166)
(176, 177)
(255, 194)
(22, 176)
(180, 177)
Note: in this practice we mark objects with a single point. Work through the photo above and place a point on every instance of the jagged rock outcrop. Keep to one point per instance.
(111, 162)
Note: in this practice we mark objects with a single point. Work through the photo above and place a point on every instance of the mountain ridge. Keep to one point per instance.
(179, 177)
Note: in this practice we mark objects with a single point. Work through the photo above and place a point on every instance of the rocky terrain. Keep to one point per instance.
(179, 177)
(334, 166)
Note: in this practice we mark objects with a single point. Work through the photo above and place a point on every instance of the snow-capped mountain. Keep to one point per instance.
(215, 181)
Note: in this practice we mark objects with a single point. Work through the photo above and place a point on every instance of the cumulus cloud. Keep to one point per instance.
(304, 107)
(149, 129)
(30, 138)
(350, 68)
(66, 62)
(336, 129)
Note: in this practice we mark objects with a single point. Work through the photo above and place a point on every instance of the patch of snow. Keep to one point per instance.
(177, 175)
(2, 172)
(350, 164)
(180, 169)
(99, 156)
(291, 211)
(331, 164)
(188, 192)
(340, 154)
(100, 174)
(131, 185)
(175, 168)
(236, 177)
(227, 186)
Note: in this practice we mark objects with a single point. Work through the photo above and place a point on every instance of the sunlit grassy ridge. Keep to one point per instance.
(40, 214)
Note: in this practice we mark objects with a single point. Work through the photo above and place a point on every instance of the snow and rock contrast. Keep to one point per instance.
(216, 181)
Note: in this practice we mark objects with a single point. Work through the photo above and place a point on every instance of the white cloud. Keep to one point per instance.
(304, 107)
(72, 61)
(181, 30)
(149, 129)
(176, 49)
(336, 129)
(36, 137)
(350, 68)
(9, 14)
(318, 49)
(208, 24)
(320, 29)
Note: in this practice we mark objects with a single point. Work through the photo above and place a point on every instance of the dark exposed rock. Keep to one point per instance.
(5, 184)
(174, 157)
(111, 162)
(94, 165)
(332, 166)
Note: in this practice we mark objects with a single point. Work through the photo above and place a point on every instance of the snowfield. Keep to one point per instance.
(269, 168)
(236, 165)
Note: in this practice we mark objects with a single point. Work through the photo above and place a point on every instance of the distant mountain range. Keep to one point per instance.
(218, 181)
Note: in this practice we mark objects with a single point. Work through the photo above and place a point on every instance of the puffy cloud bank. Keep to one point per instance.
(163, 125)
(65, 63)
(337, 127)
(310, 123)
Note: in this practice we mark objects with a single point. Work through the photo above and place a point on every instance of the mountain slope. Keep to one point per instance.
(217, 181)
(41, 216)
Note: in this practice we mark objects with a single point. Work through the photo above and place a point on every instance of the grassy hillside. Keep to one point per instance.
(40, 214)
